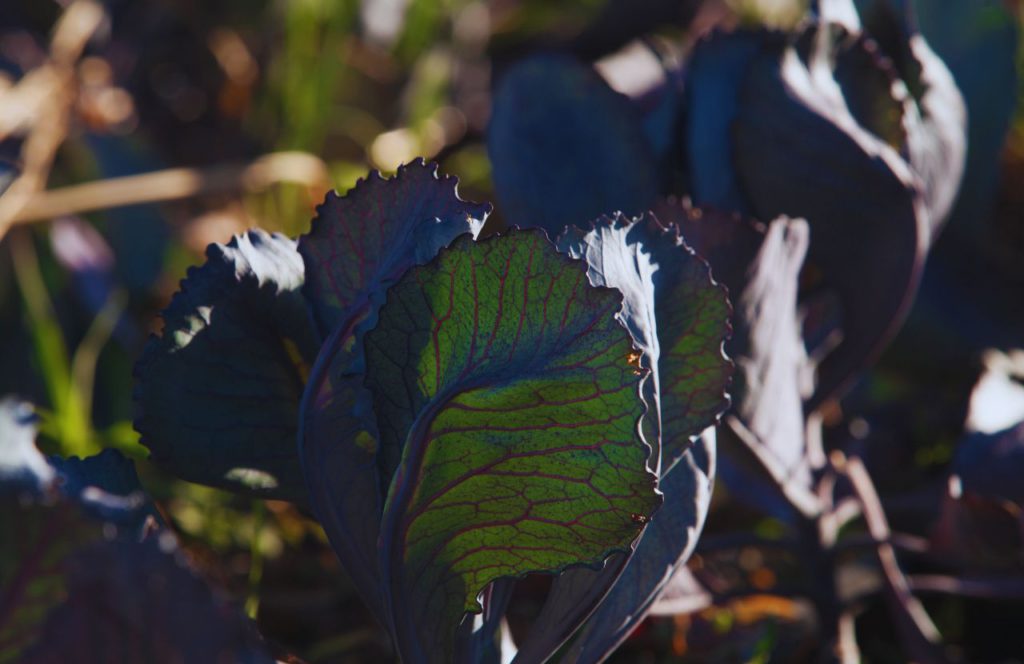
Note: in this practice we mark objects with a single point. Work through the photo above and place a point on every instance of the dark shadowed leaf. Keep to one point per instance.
(22, 466)
(975, 41)
(82, 581)
(107, 487)
(138, 602)
(900, 90)
(565, 147)
(663, 549)
(360, 244)
(800, 152)
(714, 72)
(35, 541)
(728, 241)
(511, 392)
(218, 392)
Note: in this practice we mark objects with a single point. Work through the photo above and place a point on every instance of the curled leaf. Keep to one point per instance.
(362, 242)
(663, 549)
(801, 153)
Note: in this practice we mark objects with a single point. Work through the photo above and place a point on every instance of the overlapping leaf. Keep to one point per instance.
(679, 317)
(359, 245)
(565, 148)
(943, 49)
(761, 268)
(511, 392)
(362, 242)
(676, 314)
(663, 549)
(809, 125)
(218, 392)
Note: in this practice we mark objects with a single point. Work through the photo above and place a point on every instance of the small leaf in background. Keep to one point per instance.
(22, 465)
(565, 147)
(801, 153)
(773, 373)
(989, 460)
(359, 245)
(511, 393)
(217, 394)
(107, 487)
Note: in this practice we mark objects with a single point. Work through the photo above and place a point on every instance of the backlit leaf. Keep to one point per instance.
(360, 244)
(507, 396)
(663, 549)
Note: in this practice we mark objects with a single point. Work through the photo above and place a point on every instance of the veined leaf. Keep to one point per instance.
(35, 540)
(565, 147)
(360, 244)
(507, 397)
(675, 313)
(665, 546)
(761, 267)
(682, 337)
(218, 393)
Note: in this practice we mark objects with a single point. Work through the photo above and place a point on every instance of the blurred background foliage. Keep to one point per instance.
(198, 93)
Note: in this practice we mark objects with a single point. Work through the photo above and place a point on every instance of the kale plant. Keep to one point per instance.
(464, 402)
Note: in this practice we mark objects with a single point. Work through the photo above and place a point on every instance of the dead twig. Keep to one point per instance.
(176, 184)
(74, 29)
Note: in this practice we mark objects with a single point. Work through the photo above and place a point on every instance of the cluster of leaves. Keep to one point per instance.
(467, 410)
